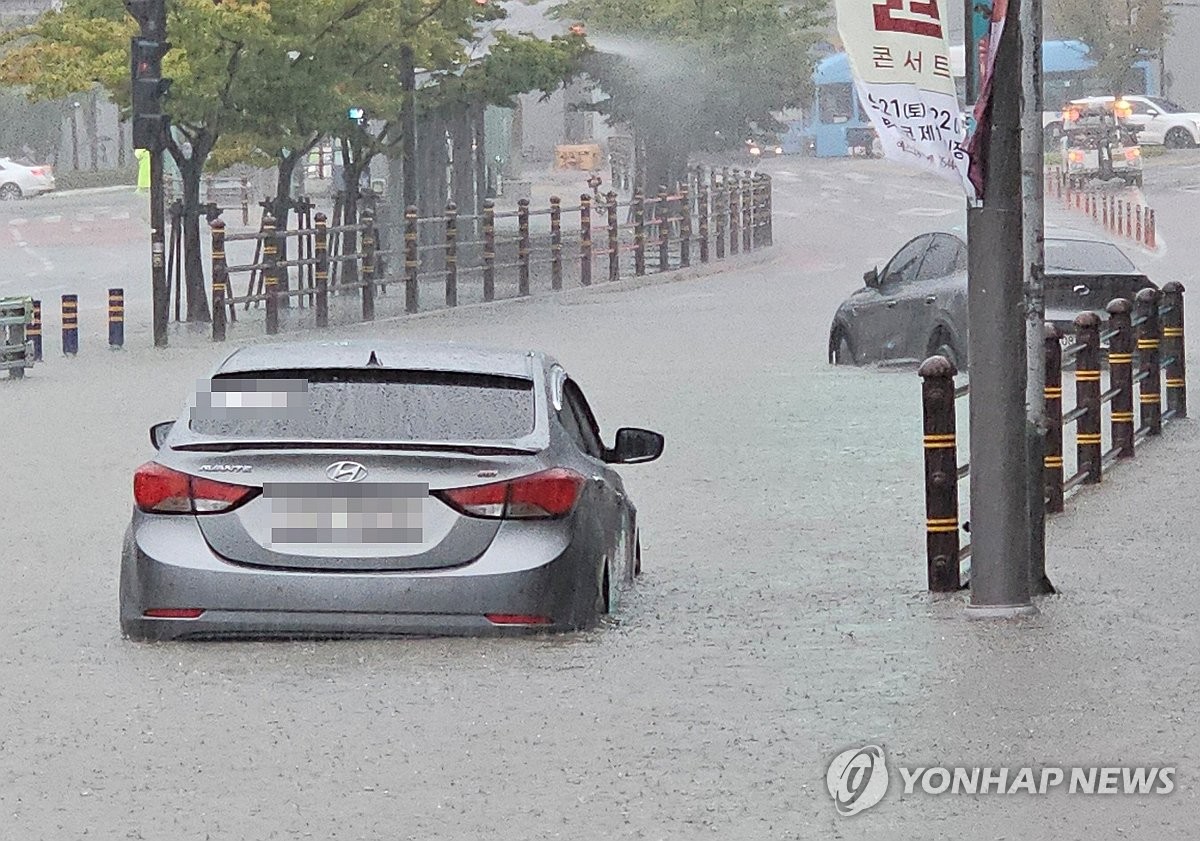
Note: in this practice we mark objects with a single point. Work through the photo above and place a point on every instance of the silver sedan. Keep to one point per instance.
(363, 489)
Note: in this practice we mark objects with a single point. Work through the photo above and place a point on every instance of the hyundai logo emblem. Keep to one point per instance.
(346, 471)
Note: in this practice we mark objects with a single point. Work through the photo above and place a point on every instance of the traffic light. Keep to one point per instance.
(149, 88)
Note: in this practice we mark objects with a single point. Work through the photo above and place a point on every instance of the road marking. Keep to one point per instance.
(18, 221)
(52, 219)
(927, 211)
(121, 214)
(85, 217)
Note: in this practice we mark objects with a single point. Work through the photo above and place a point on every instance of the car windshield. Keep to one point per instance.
(1168, 107)
(1077, 256)
(358, 405)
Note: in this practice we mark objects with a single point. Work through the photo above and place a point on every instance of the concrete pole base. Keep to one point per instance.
(1015, 611)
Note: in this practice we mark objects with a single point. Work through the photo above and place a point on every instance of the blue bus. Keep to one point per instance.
(838, 124)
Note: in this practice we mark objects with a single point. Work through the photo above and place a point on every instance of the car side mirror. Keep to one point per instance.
(634, 446)
(159, 433)
(1150, 112)
(871, 278)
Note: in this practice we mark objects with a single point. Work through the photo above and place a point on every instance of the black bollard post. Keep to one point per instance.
(1173, 347)
(70, 325)
(941, 475)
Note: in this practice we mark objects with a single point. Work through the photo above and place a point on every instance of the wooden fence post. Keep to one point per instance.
(702, 215)
(747, 213)
(720, 200)
(685, 227)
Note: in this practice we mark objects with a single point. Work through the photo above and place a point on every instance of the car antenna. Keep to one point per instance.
(374, 362)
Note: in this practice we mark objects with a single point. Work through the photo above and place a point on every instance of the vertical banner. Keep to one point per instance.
(981, 138)
(979, 13)
(900, 55)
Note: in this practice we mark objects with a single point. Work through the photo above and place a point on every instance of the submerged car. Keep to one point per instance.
(371, 489)
(916, 306)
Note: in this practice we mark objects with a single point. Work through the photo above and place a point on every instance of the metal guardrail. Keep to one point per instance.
(1147, 333)
(716, 213)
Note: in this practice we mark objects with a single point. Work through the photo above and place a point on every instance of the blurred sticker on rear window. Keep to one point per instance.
(249, 398)
(304, 513)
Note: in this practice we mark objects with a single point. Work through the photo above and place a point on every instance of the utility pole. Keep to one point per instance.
(150, 128)
(1000, 569)
(1033, 184)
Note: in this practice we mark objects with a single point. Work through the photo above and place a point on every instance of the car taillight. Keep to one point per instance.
(551, 493)
(161, 490)
(38, 171)
(518, 619)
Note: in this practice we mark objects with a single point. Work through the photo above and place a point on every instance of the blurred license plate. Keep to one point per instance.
(312, 513)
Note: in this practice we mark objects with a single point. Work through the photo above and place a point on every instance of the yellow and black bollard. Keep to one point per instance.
(1052, 458)
(412, 260)
(1120, 376)
(585, 239)
(614, 238)
(941, 475)
(1088, 446)
(116, 319)
(664, 230)
(321, 249)
(556, 265)
(523, 248)
(451, 256)
(218, 280)
(270, 256)
(70, 325)
(702, 213)
(639, 233)
(367, 275)
(1150, 397)
(34, 331)
(1175, 364)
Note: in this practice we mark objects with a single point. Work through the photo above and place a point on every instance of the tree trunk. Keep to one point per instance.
(481, 161)
(281, 209)
(197, 293)
(463, 174)
(191, 171)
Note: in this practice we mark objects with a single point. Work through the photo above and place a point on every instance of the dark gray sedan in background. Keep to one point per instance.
(916, 306)
(364, 488)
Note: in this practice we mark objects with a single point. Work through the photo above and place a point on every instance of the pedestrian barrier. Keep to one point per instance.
(16, 348)
(1146, 334)
(719, 211)
(1118, 214)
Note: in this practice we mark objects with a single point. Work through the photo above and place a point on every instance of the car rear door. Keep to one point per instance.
(1152, 122)
(887, 315)
(612, 508)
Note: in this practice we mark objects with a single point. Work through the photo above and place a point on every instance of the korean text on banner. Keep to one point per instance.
(900, 55)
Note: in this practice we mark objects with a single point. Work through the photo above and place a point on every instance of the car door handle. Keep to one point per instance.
(892, 304)
(931, 299)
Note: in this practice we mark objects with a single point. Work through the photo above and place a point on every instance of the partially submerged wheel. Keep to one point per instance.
(9, 192)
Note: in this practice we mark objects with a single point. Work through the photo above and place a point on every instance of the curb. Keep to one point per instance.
(90, 191)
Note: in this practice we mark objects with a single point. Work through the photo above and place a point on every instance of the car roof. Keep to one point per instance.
(396, 355)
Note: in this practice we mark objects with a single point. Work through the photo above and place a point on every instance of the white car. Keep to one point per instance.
(19, 181)
(1163, 122)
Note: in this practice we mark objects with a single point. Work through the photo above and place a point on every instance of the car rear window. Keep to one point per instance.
(1077, 256)
(365, 405)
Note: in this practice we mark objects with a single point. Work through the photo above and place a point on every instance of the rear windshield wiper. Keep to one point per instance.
(235, 446)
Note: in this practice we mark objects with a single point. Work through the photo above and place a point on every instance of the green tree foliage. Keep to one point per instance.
(693, 75)
(1119, 33)
(265, 80)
